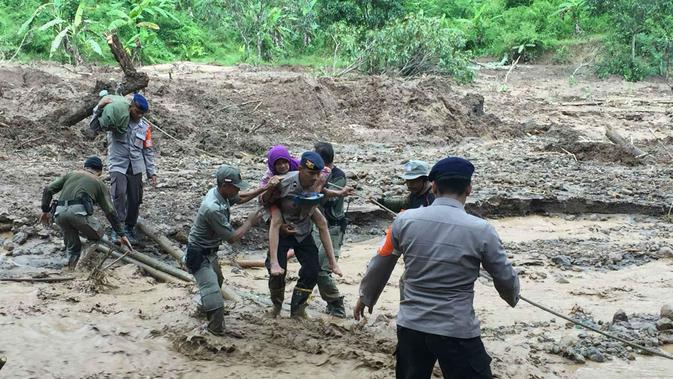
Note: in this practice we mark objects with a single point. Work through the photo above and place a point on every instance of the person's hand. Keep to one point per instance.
(287, 230)
(153, 180)
(276, 270)
(124, 241)
(347, 191)
(359, 310)
(274, 181)
(334, 267)
(44, 219)
(104, 101)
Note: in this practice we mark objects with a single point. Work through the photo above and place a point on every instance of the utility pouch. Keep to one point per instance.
(88, 205)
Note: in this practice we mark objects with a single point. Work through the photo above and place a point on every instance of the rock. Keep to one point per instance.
(666, 338)
(578, 358)
(620, 316)
(561, 260)
(8, 245)
(562, 280)
(20, 238)
(665, 324)
(596, 356)
(666, 311)
(616, 256)
(666, 252)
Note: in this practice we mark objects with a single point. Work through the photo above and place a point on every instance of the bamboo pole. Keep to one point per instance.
(151, 271)
(176, 272)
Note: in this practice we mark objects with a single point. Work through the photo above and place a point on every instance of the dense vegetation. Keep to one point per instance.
(634, 39)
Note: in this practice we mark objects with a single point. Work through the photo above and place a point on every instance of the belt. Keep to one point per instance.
(202, 250)
(70, 202)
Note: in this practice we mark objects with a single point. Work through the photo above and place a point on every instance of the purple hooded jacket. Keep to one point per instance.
(275, 153)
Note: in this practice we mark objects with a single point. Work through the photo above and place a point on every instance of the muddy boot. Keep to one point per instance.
(298, 305)
(72, 261)
(336, 308)
(277, 297)
(216, 321)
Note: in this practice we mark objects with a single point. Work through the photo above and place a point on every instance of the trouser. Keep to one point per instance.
(204, 265)
(326, 284)
(458, 358)
(73, 221)
(127, 195)
(306, 253)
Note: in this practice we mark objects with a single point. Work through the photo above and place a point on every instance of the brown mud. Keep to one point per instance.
(587, 225)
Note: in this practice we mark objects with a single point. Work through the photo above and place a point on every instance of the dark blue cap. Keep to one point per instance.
(94, 162)
(312, 161)
(451, 168)
(141, 102)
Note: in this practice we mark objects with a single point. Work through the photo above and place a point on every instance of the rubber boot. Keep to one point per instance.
(72, 261)
(216, 321)
(298, 305)
(336, 308)
(277, 292)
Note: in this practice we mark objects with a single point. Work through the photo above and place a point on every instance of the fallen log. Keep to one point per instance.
(131, 82)
(250, 263)
(161, 240)
(625, 145)
(38, 280)
(151, 271)
(154, 263)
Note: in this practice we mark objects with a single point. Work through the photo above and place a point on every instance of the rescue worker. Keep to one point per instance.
(333, 210)
(297, 202)
(130, 153)
(211, 226)
(415, 176)
(80, 190)
(443, 248)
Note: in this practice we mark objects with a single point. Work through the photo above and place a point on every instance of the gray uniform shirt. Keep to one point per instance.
(293, 213)
(443, 248)
(132, 148)
(211, 225)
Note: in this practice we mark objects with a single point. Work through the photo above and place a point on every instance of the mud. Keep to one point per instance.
(587, 226)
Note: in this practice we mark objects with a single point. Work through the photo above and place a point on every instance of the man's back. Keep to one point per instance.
(443, 248)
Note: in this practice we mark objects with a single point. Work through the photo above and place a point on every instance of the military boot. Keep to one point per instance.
(299, 302)
(336, 308)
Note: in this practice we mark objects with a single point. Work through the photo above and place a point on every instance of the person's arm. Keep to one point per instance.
(395, 203)
(274, 236)
(495, 261)
(48, 194)
(219, 222)
(330, 193)
(321, 223)
(244, 197)
(148, 155)
(376, 277)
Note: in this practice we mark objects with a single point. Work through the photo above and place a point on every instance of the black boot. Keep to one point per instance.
(298, 305)
(277, 292)
(72, 261)
(336, 308)
(216, 321)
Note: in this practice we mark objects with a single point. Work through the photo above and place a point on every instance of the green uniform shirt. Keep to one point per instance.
(411, 201)
(333, 208)
(211, 225)
(77, 185)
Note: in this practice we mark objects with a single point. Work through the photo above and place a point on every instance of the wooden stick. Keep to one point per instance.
(151, 271)
(161, 240)
(617, 139)
(156, 264)
(39, 280)
(393, 213)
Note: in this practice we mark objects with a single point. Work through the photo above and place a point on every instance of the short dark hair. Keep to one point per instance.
(452, 186)
(325, 150)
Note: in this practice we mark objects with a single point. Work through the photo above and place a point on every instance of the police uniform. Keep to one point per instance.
(443, 248)
(130, 154)
(305, 250)
(211, 226)
(334, 212)
(79, 191)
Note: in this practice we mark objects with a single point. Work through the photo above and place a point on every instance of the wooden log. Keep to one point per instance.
(151, 271)
(176, 272)
(131, 82)
(38, 280)
(161, 240)
(250, 263)
(620, 141)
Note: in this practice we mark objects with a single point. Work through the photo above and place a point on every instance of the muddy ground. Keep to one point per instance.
(587, 224)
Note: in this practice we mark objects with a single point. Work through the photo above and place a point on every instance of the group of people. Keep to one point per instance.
(302, 202)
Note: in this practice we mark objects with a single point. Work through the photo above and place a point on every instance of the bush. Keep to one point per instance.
(416, 45)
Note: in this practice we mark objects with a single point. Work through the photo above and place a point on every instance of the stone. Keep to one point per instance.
(620, 316)
(20, 238)
(665, 324)
(666, 252)
(562, 280)
(666, 311)
(616, 256)
(561, 260)
(666, 338)
(596, 356)
(8, 245)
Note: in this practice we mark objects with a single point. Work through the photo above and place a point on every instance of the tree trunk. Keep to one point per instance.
(620, 141)
(151, 271)
(131, 82)
(176, 272)
(161, 240)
